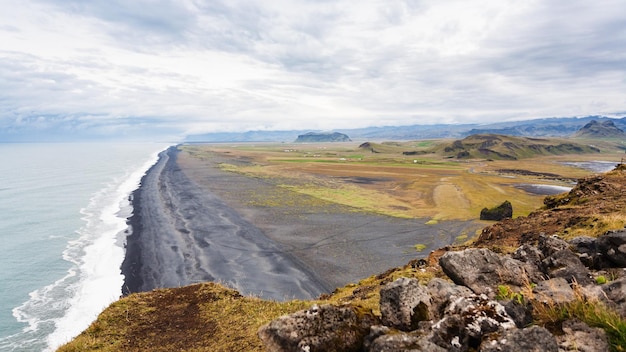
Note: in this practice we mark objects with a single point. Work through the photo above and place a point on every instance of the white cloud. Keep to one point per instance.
(193, 66)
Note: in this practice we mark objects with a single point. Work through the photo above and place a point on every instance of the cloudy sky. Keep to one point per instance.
(166, 68)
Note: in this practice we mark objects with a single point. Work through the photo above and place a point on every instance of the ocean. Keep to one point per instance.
(63, 211)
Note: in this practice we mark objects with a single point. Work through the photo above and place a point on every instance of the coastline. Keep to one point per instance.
(194, 222)
(181, 235)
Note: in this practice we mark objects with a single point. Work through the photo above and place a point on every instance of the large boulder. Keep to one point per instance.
(612, 245)
(320, 328)
(567, 265)
(483, 270)
(531, 339)
(615, 291)
(531, 257)
(467, 320)
(404, 303)
(560, 261)
(554, 291)
(579, 337)
(548, 245)
(501, 212)
(401, 342)
(442, 293)
(587, 249)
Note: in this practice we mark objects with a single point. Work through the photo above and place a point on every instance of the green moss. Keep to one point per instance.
(419, 247)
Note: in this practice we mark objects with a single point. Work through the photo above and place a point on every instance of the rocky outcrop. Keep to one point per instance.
(482, 270)
(501, 212)
(488, 307)
(313, 137)
(320, 328)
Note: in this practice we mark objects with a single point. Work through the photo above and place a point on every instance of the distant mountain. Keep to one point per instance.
(547, 127)
(313, 137)
(595, 129)
(500, 147)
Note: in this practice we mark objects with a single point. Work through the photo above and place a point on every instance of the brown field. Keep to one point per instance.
(388, 182)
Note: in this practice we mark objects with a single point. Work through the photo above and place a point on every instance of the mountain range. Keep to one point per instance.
(546, 127)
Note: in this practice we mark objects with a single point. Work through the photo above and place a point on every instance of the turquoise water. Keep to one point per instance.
(63, 210)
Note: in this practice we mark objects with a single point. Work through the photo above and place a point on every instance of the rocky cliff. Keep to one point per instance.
(552, 281)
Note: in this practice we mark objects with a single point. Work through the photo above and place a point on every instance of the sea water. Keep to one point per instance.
(63, 211)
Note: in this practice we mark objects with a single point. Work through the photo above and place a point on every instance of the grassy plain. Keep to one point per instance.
(380, 178)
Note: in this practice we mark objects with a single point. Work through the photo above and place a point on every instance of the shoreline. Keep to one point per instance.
(180, 235)
(195, 222)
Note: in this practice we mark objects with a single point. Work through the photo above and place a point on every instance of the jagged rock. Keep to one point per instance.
(531, 339)
(616, 292)
(587, 249)
(501, 212)
(613, 246)
(566, 264)
(403, 342)
(582, 338)
(481, 270)
(548, 245)
(467, 320)
(404, 303)
(555, 290)
(320, 328)
(442, 293)
(532, 257)
(521, 313)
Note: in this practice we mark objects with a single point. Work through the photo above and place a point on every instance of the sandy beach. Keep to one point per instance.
(195, 222)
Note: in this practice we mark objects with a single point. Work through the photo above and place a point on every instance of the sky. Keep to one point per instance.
(169, 68)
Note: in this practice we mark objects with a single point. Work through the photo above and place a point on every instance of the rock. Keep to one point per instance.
(521, 313)
(548, 245)
(481, 270)
(531, 339)
(404, 303)
(564, 263)
(555, 291)
(467, 320)
(582, 338)
(501, 212)
(320, 328)
(442, 293)
(612, 245)
(532, 258)
(587, 249)
(616, 292)
(403, 342)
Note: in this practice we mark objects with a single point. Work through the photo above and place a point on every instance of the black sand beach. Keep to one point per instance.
(195, 222)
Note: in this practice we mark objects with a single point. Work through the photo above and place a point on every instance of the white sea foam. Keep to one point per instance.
(63, 262)
(97, 255)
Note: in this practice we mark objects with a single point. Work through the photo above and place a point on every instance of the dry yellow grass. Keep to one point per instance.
(425, 186)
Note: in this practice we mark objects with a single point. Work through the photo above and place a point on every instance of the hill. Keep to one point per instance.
(595, 129)
(209, 317)
(501, 147)
(317, 137)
